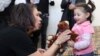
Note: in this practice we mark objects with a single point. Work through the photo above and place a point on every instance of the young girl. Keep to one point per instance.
(82, 14)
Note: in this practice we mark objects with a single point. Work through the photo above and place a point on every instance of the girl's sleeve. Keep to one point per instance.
(86, 40)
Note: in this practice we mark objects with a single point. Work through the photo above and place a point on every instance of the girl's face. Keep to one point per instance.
(80, 15)
(38, 19)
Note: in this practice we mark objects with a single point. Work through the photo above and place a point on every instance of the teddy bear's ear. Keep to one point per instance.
(66, 22)
(4, 4)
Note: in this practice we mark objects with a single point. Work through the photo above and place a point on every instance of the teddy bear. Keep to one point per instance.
(62, 26)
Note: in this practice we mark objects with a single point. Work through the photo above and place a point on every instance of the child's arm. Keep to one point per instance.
(86, 40)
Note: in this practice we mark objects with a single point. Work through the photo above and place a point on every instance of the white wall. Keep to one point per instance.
(96, 14)
(55, 16)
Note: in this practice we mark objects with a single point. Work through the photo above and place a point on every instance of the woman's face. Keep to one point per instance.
(37, 22)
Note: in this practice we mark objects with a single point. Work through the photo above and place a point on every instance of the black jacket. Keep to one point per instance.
(14, 41)
(43, 6)
(65, 4)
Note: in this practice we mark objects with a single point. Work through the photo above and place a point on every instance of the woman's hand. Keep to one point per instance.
(71, 6)
(63, 37)
(71, 43)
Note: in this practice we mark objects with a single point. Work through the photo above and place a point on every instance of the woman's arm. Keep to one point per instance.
(63, 37)
(50, 52)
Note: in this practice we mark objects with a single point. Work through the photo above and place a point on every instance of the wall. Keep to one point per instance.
(55, 16)
(96, 19)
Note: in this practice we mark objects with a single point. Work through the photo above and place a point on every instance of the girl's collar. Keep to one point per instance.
(84, 23)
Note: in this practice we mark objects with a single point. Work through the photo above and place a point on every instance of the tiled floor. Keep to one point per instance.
(96, 38)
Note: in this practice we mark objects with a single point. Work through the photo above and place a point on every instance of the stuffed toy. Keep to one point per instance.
(62, 26)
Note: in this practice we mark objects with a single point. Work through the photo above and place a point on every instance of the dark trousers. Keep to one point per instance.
(28, 1)
(69, 16)
(42, 32)
(89, 54)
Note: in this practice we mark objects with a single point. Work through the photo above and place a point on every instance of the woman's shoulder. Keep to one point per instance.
(12, 31)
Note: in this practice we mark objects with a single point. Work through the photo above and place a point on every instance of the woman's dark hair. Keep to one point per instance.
(89, 7)
(22, 15)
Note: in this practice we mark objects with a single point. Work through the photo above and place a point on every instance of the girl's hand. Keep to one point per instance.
(71, 43)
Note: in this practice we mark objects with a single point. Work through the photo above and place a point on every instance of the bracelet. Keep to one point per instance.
(58, 44)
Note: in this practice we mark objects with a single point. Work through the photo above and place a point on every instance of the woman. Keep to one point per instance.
(14, 39)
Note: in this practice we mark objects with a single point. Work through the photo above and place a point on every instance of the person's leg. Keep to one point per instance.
(44, 31)
(71, 18)
(28, 1)
(64, 17)
(89, 54)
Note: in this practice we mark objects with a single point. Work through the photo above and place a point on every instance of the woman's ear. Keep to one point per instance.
(52, 3)
(87, 14)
